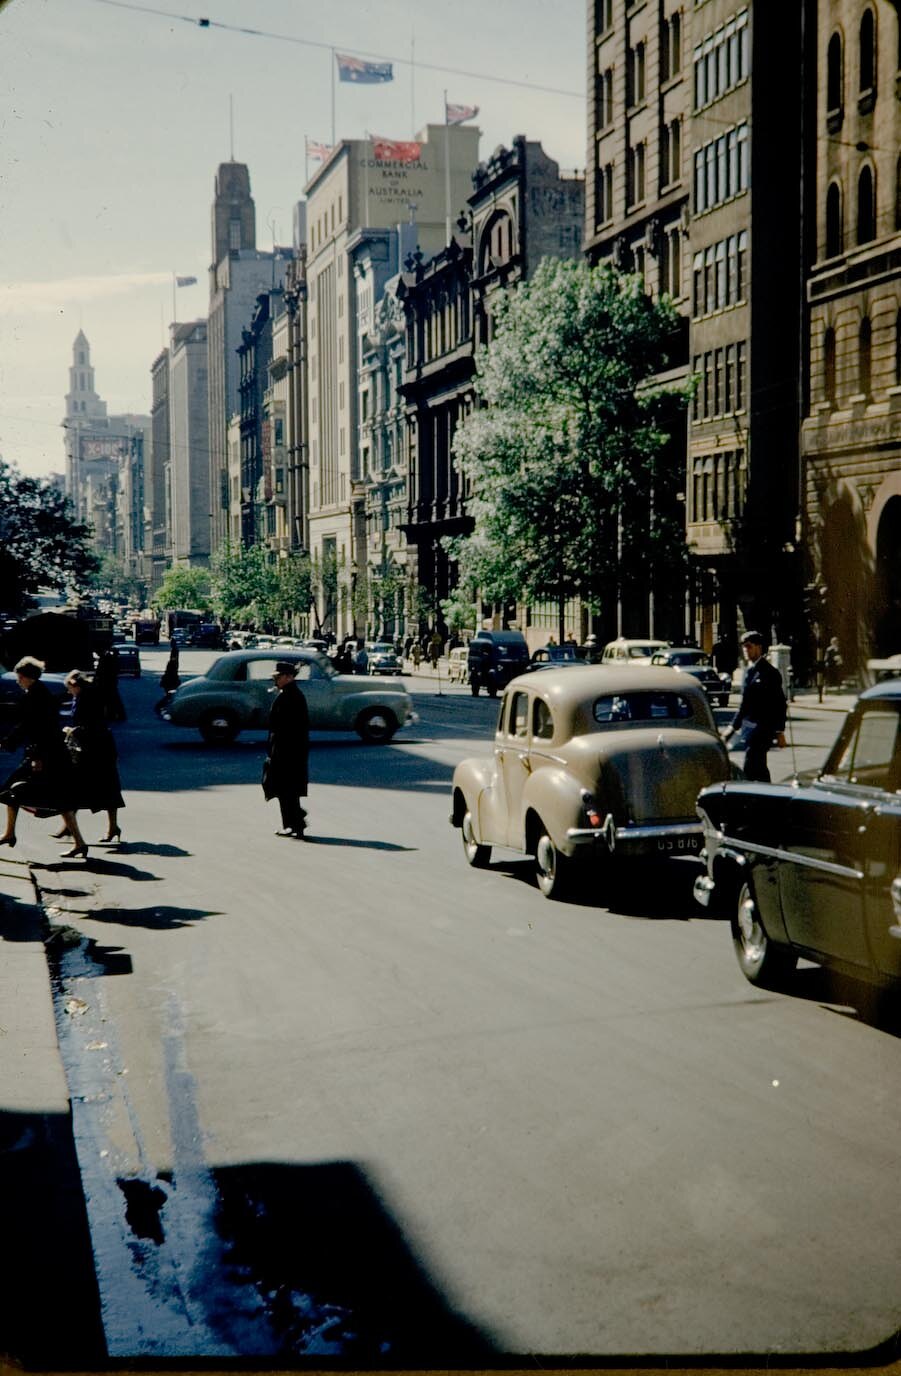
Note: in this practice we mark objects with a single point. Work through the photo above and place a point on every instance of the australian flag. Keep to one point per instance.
(364, 73)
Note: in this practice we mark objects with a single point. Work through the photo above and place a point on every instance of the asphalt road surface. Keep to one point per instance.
(349, 1097)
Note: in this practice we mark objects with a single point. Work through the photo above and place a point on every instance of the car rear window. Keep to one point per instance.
(639, 707)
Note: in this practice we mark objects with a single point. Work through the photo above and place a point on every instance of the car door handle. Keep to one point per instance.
(524, 761)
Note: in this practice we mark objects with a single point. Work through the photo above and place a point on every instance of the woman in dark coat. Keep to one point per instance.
(45, 780)
(285, 773)
(93, 751)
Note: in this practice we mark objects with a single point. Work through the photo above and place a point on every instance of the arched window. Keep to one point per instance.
(829, 365)
(834, 100)
(867, 52)
(866, 205)
(865, 357)
(834, 235)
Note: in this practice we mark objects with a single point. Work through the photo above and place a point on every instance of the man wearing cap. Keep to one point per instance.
(762, 710)
(285, 774)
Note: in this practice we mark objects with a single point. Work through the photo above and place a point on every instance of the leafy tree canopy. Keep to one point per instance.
(565, 457)
(249, 585)
(185, 587)
(42, 545)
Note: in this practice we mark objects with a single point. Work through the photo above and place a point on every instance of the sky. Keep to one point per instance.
(114, 117)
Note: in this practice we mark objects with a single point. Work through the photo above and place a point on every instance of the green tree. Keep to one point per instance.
(113, 577)
(185, 587)
(42, 545)
(566, 456)
(244, 584)
(294, 587)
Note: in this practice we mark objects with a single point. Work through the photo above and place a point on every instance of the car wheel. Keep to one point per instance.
(219, 728)
(554, 871)
(376, 725)
(476, 855)
(762, 963)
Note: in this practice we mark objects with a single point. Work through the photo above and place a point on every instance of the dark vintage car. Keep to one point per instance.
(690, 660)
(493, 658)
(813, 869)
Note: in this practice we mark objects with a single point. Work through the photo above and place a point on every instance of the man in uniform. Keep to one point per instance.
(761, 713)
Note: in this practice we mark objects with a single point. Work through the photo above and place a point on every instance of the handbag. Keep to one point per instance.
(742, 737)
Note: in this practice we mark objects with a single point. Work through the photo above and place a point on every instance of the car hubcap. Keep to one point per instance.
(545, 856)
(220, 723)
(752, 937)
(468, 839)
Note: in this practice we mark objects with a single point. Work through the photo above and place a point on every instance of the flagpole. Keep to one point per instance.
(334, 60)
(306, 160)
(173, 299)
(447, 179)
(413, 82)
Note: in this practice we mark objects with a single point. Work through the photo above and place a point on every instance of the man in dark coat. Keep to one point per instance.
(285, 774)
(761, 713)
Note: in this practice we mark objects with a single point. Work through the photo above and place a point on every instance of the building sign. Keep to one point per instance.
(102, 449)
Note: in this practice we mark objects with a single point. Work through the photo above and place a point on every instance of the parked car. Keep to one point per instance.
(236, 694)
(813, 868)
(383, 658)
(128, 659)
(554, 654)
(690, 660)
(624, 651)
(591, 766)
(457, 664)
(493, 658)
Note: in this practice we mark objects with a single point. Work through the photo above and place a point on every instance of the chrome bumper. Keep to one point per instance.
(615, 836)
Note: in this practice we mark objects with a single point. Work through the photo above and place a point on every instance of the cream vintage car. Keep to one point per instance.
(588, 766)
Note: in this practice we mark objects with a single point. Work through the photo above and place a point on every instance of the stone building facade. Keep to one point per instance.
(696, 182)
(851, 436)
(364, 185)
(189, 468)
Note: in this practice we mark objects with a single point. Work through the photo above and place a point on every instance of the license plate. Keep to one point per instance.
(680, 843)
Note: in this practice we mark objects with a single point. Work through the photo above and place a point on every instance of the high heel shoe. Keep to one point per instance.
(75, 853)
(8, 841)
(112, 839)
(58, 835)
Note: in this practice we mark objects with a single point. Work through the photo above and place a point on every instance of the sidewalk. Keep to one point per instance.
(50, 1314)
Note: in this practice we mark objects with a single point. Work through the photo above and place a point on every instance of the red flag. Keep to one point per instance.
(458, 114)
(319, 152)
(392, 150)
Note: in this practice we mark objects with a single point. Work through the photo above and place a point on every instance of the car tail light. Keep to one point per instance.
(594, 817)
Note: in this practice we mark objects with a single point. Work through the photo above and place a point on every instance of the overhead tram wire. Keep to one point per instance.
(334, 47)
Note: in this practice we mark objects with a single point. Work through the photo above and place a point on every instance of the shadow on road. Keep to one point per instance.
(96, 864)
(628, 891)
(846, 997)
(320, 1243)
(310, 840)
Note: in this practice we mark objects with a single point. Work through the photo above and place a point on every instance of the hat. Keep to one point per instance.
(286, 666)
(752, 638)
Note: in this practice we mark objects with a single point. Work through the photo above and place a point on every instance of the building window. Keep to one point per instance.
(867, 55)
(834, 83)
(865, 357)
(721, 61)
(741, 375)
(866, 205)
(603, 16)
(671, 263)
(671, 47)
(829, 365)
(635, 175)
(635, 75)
(605, 99)
(898, 349)
(898, 176)
(234, 234)
(722, 168)
(834, 232)
(671, 152)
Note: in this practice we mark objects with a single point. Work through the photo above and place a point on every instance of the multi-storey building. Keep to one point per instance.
(189, 468)
(365, 184)
(852, 430)
(254, 358)
(238, 273)
(380, 497)
(520, 209)
(696, 183)
(157, 540)
(101, 451)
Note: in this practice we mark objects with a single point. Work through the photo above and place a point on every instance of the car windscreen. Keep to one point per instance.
(868, 751)
(641, 651)
(613, 708)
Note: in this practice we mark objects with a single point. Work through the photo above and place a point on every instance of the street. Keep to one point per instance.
(348, 1097)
